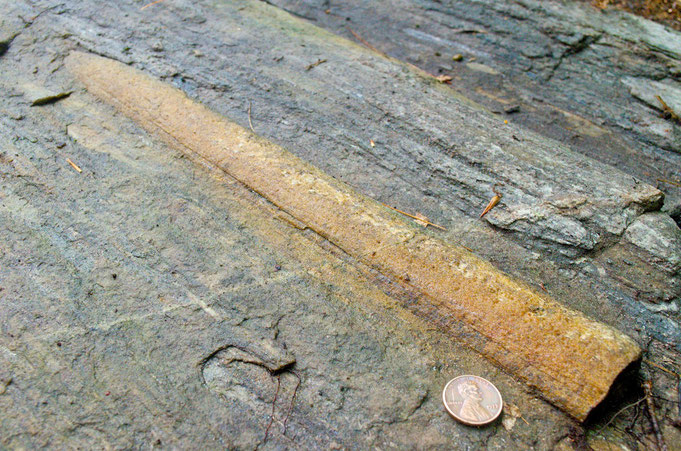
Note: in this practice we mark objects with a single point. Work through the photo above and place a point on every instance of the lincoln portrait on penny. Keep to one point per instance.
(471, 409)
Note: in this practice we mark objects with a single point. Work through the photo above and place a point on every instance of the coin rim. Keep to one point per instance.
(466, 422)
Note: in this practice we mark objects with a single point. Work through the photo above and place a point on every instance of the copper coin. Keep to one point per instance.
(472, 400)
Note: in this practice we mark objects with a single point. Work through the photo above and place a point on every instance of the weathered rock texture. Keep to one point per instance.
(196, 263)
(575, 74)
(571, 360)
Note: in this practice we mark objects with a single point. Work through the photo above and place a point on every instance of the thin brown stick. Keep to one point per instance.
(619, 412)
(661, 368)
(365, 43)
(467, 31)
(315, 64)
(493, 202)
(670, 182)
(293, 398)
(637, 412)
(415, 217)
(250, 124)
(648, 389)
(151, 4)
(74, 165)
(274, 406)
(667, 111)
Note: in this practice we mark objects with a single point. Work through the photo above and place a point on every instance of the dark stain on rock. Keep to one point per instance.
(5, 42)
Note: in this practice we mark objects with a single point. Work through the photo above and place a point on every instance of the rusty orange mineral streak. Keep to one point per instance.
(151, 4)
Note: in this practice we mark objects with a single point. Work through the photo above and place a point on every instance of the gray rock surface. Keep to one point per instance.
(560, 61)
(560, 66)
(657, 234)
(648, 91)
(147, 301)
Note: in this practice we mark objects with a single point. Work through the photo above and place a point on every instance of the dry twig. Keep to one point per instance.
(670, 182)
(417, 217)
(274, 406)
(667, 111)
(249, 117)
(659, 367)
(293, 398)
(365, 43)
(493, 202)
(648, 389)
(74, 165)
(151, 4)
(315, 64)
(627, 407)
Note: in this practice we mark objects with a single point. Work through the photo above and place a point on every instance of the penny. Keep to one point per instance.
(472, 400)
